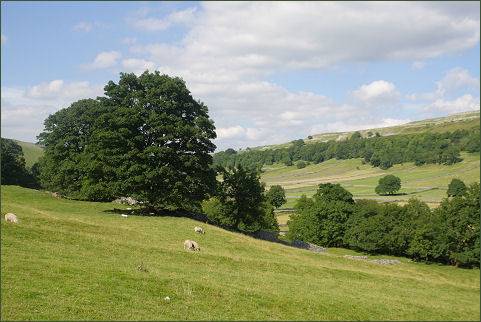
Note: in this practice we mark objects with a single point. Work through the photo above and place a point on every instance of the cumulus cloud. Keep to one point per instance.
(377, 92)
(25, 109)
(152, 23)
(232, 48)
(83, 26)
(454, 79)
(137, 65)
(418, 65)
(104, 59)
(461, 104)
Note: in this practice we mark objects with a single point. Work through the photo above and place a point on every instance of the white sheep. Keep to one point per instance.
(191, 245)
(11, 218)
(199, 230)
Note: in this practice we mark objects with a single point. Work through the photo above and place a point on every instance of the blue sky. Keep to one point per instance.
(269, 72)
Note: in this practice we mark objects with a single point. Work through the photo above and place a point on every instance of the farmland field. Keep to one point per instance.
(428, 182)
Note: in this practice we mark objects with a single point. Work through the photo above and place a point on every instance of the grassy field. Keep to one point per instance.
(31, 152)
(79, 260)
(428, 182)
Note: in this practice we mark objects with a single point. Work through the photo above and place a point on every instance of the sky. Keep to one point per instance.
(270, 72)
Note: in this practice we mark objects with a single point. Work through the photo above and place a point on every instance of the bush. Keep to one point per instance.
(333, 192)
(389, 184)
(276, 196)
(240, 202)
(456, 188)
(301, 164)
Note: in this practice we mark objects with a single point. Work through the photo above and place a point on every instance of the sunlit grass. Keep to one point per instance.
(78, 260)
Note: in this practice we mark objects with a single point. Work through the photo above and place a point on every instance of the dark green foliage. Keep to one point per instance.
(321, 220)
(276, 196)
(459, 218)
(240, 203)
(449, 234)
(309, 137)
(288, 163)
(148, 138)
(383, 152)
(301, 164)
(389, 185)
(456, 188)
(13, 169)
(333, 192)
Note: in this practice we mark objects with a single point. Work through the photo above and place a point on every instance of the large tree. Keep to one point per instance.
(147, 138)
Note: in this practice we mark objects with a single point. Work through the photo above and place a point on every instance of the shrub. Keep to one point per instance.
(276, 196)
(456, 188)
(389, 184)
(301, 164)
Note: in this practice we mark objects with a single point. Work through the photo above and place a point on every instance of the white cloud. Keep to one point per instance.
(418, 65)
(83, 26)
(137, 65)
(141, 21)
(377, 92)
(129, 41)
(454, 79)
(4, 39)
(104, 59)
(461, 104)
(25, 109)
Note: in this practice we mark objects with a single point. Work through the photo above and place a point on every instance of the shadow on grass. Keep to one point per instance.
(156, 213)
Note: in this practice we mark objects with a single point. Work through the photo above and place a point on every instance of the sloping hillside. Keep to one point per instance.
(466, 120)
(32, 152)
(79, 260)
(428, 182)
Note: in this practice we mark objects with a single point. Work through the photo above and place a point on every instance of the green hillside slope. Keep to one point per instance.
(428, 182)
(467, 121)
(32, 152)
(78, 260)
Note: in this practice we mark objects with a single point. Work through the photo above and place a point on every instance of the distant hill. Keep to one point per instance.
(31, 151)
(466, 120)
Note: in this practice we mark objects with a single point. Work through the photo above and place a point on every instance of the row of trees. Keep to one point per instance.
(383, 152)
(447, 234)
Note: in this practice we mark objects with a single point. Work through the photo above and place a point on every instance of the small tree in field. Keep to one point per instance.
(456, 188)
(240, 202)
(276, 196)
(388, 185)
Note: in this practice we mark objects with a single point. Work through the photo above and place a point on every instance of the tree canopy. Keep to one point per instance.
(240, 203)
(276, 196)
(389, 184)
(147, 138)
(456, 188)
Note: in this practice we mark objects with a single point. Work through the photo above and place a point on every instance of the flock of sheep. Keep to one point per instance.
(192, 245)
(188, 244)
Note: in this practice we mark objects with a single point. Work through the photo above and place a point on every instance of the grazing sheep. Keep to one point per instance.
(199, 230)
(124, 215)
(191, 245)
(11, 218)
